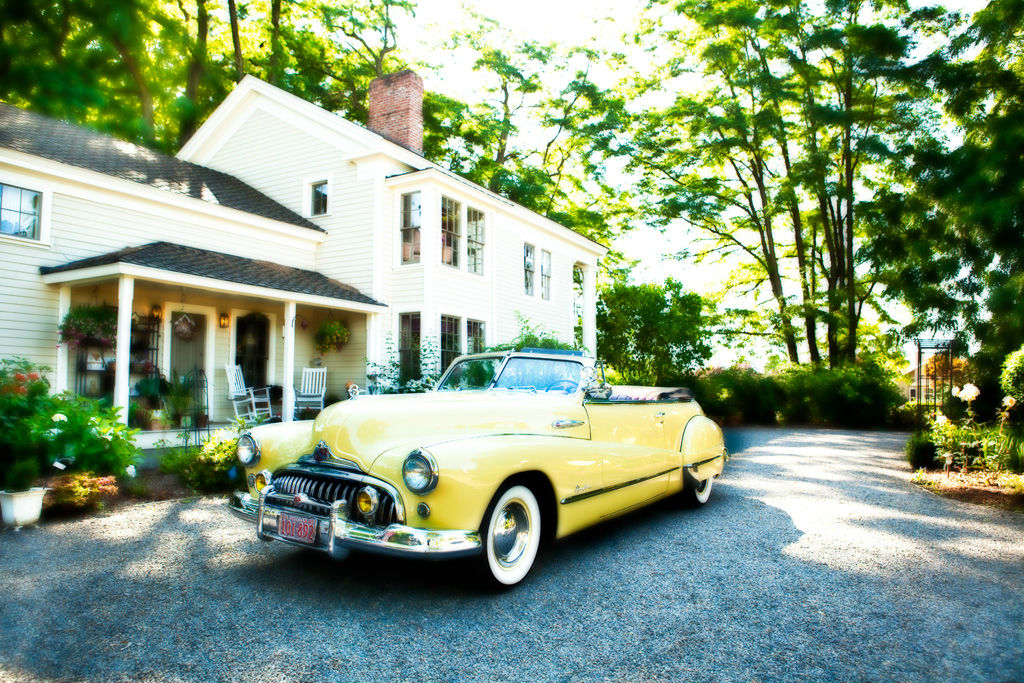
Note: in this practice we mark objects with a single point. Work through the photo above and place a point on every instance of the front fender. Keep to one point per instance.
(471, 470)
(281, 444)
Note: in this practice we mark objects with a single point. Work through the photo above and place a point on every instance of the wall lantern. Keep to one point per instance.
(225, 320)
(156, 313)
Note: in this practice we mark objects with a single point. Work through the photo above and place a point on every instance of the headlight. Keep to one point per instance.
(420, 472)
(247, 450)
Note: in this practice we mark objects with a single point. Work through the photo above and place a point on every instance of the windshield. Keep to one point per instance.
(540, 374)
(472, 373)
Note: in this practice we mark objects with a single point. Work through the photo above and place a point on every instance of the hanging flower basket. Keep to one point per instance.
(331, 336)
(185, 328)
(90, 326)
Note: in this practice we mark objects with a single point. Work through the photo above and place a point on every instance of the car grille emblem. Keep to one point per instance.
(321, 452)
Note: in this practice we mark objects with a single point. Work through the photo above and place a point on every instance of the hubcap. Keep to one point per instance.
(511, 533)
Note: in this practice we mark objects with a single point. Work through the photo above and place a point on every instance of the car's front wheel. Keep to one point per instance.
(512, 535)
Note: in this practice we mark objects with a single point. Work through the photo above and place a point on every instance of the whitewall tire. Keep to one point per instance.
(696, 492)
(511, 535)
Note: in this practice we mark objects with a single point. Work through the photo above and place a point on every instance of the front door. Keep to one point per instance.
(252, 348)
(188, 344)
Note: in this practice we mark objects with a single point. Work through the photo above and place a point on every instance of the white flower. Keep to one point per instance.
(60, 417)
(941, 420)
(1009, 401)
(956, 392)
(130, 471)
(969, 393)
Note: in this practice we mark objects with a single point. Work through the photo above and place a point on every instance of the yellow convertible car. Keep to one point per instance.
(508, 450)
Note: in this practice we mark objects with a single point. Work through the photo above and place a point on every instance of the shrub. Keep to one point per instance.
(1012, 378)
(210, 468)
(857, 395)
(79, 492)
(86, 434)
(736, 393)
(921, 451)
(24, 394)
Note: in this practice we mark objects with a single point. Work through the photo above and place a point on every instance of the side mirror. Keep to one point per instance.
(594, 388)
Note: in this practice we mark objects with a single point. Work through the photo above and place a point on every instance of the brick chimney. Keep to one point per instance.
(396, 108)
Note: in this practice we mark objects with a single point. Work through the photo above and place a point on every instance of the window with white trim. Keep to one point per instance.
(475, 337)
(529, 268)
(412, 217)
(451, 341)
(545, 274)
(409, 346)
(318, 198)
(475, 241)
(451, 231)
(20, 212)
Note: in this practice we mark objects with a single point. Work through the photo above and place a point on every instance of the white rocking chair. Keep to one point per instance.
(250, 404)
(310, 396)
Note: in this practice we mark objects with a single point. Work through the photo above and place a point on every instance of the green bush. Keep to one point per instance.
(736, 394)
(24, 394)
(857, 395)
(1012, 378)
(83, 491)
(921, 451)
(87, 435)
(210, 468)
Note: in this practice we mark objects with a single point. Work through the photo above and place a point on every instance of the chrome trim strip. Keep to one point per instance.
(613, 487)
(695, 465)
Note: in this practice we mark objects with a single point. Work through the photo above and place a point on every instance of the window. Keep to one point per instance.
(411, 221)
(474, 336)
(475, 241)
(19, 212)
(451, 343)
(408, 347)
(318, 198)
(451, 232)
(528, 269)
(545, 274)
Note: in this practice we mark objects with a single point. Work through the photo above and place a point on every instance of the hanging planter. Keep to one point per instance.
(89, 326)
(185, 328)
(331, 336)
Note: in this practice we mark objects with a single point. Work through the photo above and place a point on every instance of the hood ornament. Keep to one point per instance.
(322, 451)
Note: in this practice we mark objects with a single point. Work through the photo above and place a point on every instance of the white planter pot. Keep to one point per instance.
(22, 507)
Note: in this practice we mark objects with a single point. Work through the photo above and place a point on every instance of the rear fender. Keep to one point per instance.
(702, 447)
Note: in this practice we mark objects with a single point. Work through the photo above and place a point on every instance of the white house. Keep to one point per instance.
(276, 216)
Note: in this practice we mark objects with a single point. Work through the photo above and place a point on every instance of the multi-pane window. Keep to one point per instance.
(529, 268)
(19, 212)
(545, 274)
(409, 346)
(474, 336)
(475, 241)
(411, 221)
(451, 343)
(318, 198)
(451, 232)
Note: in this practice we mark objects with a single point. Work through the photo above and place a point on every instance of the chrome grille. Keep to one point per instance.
(325, 489)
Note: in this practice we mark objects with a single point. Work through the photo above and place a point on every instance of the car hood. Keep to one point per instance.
(361, 429)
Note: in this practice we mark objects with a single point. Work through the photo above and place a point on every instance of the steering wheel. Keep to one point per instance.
(564, 385)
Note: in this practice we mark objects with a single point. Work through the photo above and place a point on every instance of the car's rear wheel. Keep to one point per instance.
(696, 492)
(511, 535)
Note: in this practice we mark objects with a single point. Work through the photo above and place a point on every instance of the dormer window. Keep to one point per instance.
(318, 198)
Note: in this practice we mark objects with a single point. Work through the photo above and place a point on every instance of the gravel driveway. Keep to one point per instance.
(814, 560)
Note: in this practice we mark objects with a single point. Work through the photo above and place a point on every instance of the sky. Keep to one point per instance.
(581, 22)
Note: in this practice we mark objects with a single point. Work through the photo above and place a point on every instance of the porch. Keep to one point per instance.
(182, 310)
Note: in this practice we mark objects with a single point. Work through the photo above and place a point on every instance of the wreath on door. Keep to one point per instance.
(185, 328)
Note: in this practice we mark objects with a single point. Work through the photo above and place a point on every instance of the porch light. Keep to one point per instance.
(225, 320)
(156, 313)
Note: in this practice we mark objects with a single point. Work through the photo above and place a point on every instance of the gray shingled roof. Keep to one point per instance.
(32, 133)
(212, 264)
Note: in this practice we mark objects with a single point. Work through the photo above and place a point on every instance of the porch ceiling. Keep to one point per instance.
(188, 266)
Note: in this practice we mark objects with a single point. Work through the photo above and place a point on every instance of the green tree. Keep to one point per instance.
(652, 333)
(800, 112)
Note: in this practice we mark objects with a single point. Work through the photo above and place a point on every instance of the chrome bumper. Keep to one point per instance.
(336, 534)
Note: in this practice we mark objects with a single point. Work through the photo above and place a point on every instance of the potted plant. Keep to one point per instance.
(24, 395)
(90, 326)
(179, 400)
(332, 335)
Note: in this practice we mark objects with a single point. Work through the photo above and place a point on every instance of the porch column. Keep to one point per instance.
(589, 308)
(61, 382)
(288, 398)
(122, 354)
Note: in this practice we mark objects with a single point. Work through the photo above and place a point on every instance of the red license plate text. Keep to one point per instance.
(297, 528)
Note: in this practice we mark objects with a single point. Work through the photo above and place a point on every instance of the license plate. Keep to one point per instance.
(296, 528)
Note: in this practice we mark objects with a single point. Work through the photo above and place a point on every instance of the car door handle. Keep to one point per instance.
(566, 424)
(659, 417)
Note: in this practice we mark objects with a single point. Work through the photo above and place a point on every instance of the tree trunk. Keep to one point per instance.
(142, 89)
(274, 64)
(236, 41)
(196, 71)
